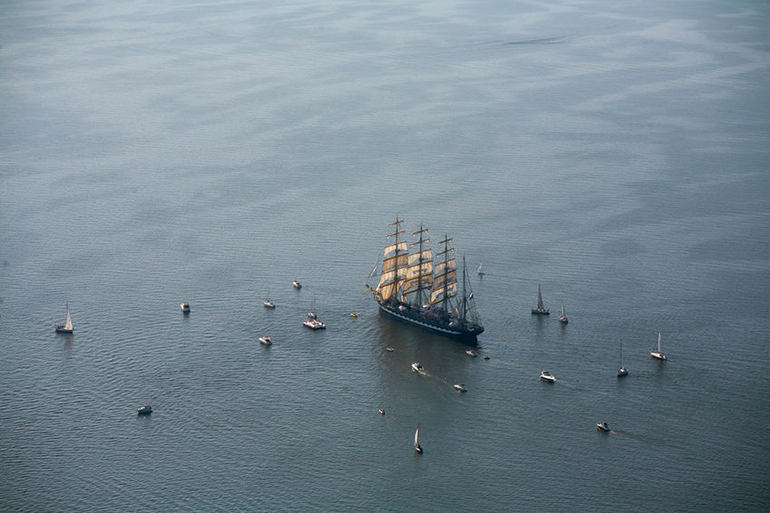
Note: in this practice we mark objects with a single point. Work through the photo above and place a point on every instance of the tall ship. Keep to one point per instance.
(418, 289)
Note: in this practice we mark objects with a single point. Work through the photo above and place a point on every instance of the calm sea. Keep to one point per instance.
(615, 153)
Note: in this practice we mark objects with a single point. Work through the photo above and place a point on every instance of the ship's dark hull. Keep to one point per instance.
(465, 333)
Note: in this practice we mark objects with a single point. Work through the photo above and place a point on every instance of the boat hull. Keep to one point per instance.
(62, 329)
(465, 334)
(537, 311)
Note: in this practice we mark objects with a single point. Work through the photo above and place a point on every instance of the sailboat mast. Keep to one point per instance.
(398, 231)
(446, 242)
(465, 296)
(420, 242)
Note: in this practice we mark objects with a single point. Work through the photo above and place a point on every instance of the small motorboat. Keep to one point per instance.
(623, 371)
(486, 357)
(185, 307)
(354, 315)
(389, 349)
(460, 387)
(471, 353)
(266, 340)
(144, 410)
(547, 377)
(602, 426)
(296, 284)
(268, 303)
(417, 367)
(382, 412)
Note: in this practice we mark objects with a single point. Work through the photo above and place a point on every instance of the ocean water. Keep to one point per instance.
(615, 153)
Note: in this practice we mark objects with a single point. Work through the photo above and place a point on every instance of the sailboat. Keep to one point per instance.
(480, 272)
(563, 318)
(267, 302)
(415, 289)
(312, 321)
(67, 328)
(622, 370)
(541, 309)
(416, 443)
(657, 353)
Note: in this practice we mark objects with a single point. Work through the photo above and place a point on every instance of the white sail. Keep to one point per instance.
(540, 299)
(420, 256)
(416, 434)
(447, 279)
(441, 266)
(658, 339)
(391, 249)
(68, 324)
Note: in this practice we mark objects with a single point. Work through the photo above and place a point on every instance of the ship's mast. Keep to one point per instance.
(397, 224)
(419, 243)
(465, 297)
(446, 251)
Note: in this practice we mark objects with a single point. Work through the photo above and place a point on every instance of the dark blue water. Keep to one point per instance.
(616, 153)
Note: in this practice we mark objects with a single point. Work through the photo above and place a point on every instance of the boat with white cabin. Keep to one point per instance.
(460, 387)
(266, 340)
(417, 367)
(657, 353)
(185, 307)
(471, 353)
(313, 322)
(296, 284)
(540, 309)
(144, 410)
(267, 303)
(547, 377)
(602, 426)
(67, 327)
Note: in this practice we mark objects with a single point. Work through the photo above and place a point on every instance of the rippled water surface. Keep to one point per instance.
(154, 152)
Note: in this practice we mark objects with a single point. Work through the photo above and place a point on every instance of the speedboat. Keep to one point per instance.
(296, 284)
(185, 307)
(471, 352)
(389, 349)
(144, 410)
(266, 340)
(460, 387)
(382, 412)
(623, 371)
(602, 426)
(547, 377)
(354, 315)
(417, 367)
(268, 303)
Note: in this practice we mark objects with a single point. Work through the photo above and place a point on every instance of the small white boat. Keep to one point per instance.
(314, 324)
(144, 410)
(657, 352)
(623, 369)
(563, 318)
(541, 309)
(602, 426)
(67, 328)
(296, 284)
(547, 377)
(460, 387)
(389, 349)
(417, 447)
(266, 340)
(267, 303)
(185, 307)
(382, 412)
(480, 272)
(472, 353)
(417, 367)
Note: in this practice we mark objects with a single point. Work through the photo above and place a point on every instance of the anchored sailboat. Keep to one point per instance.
(541, 309)
(67, 328)
(563, 318)
(657, 353)
(480, 272)
(415, 289)
(623, 369)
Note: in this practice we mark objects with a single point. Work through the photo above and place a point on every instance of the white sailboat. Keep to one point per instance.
(480, 272)
(416, 443)
(563, 318)
(67, 328)
(313, 322)
(541, 309)
(657, 353)
(623, 369)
